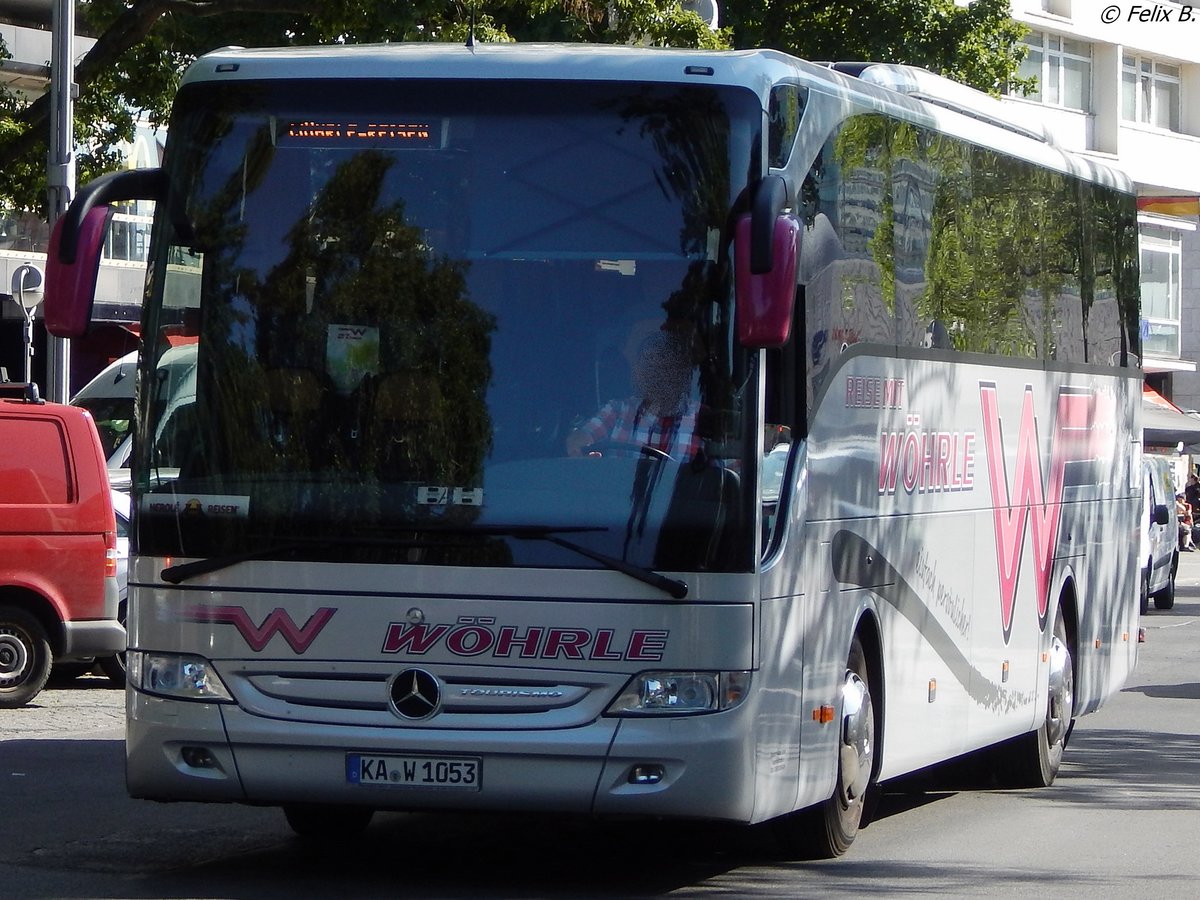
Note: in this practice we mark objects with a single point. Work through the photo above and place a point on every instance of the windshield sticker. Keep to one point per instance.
(351, 353)
(216, 506)
(435, 495)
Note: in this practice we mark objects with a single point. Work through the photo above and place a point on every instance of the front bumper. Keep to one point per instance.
(706, 763)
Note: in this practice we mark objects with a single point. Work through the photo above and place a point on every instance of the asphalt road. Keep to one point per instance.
(1120, 822)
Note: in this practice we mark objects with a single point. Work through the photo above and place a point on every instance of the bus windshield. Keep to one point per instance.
(452, 323)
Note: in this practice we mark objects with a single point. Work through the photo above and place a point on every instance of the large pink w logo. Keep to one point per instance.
(1033, 498)
(277, 622)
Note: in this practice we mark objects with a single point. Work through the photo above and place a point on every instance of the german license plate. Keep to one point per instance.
(461, 773)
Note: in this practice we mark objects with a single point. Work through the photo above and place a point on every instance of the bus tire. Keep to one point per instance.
(1144, 598)
(1033, 760)
(327, 821)
(827, 830)
(25, 659)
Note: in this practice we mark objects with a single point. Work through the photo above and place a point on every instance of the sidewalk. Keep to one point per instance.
(1187, 577)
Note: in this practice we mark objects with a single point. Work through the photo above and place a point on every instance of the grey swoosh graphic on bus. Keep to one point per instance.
(857, 562)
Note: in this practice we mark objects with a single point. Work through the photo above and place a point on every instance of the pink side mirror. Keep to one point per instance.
(71, 286)
(765, 301)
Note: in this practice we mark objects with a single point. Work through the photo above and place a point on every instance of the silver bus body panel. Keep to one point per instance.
(925, 563)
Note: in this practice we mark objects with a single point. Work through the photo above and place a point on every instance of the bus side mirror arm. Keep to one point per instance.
(766, 253)
(133, 184)
(77, 241)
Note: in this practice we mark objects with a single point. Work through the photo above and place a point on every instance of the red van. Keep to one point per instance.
(59, 593)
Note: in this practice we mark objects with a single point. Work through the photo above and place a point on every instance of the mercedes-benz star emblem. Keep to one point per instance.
(415, 694)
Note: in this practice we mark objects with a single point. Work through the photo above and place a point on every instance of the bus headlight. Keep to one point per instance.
(680, 693)
(180, 676)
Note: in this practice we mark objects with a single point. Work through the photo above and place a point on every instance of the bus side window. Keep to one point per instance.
(785, 414)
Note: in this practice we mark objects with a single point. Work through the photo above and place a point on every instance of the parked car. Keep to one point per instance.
(112, 667)
(1160, 534)
(59, 591)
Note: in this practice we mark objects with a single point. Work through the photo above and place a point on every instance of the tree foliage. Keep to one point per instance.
(143, 46)
(977, 44)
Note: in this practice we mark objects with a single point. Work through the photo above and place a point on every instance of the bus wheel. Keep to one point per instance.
(828, 829)
(24, 657)
(1033, 759)
(319, 820)
(1144, 599)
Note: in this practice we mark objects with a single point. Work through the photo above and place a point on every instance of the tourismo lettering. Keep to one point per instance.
(471, 639)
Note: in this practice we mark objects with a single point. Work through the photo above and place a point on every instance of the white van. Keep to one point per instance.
(109, 397)
(1160, 534)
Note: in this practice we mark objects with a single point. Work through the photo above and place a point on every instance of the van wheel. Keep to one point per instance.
(1165, 599)
(828, 829)
(24, 657)
(114, 666)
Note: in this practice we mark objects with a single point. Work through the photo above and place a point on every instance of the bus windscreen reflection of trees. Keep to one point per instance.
(357, 359)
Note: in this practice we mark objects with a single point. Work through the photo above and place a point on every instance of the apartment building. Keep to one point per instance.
(1121, 81)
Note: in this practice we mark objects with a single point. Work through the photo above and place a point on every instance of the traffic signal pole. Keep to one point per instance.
(61, 169)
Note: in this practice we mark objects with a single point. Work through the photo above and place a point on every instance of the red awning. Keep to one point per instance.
(1164, 423)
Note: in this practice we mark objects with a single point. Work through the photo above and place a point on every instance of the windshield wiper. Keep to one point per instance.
(672, 586)
(183, 571)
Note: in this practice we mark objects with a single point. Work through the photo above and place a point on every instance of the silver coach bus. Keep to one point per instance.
(618, 431)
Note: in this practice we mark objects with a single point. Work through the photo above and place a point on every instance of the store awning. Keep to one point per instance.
(1164, 423)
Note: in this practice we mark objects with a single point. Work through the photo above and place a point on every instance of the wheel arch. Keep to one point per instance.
(869, 634)
(40, 608)
(1068, 603)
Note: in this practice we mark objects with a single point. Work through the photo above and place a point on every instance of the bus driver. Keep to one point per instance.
(661, 415)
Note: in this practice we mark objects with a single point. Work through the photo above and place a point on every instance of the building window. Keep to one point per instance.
(1150, 92)
(1057, 7)
(1161, 257)
(128, 238)
(1063, 69)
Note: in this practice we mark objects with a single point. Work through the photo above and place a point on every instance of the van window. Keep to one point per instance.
(33, 462)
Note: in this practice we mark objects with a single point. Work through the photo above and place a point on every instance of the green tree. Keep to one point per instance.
(978, 44)
(143, 46)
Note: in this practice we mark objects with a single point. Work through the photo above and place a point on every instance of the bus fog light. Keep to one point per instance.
(665, 693)
(198, 757)
(176, 675)
(646, 773)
